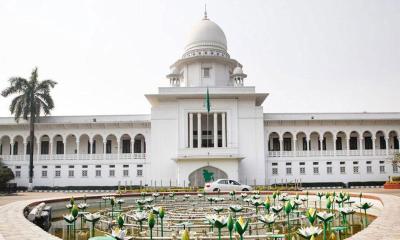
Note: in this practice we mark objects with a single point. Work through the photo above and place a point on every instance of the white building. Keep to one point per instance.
(179, 139)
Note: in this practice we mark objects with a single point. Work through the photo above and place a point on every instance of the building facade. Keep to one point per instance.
(181, 140)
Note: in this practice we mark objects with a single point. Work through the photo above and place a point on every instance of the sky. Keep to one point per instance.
(309, 55)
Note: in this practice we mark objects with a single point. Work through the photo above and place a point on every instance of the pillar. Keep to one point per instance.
(50, 149)
(334, 146)
(118, 148)
(215, 130)
(361, 146)
(104, 149)
(321, 147)
(65, 148)
(24, 146)
(387, 146)
(374, 146)
(91, 148)
(295, 146)
(223, 130)
(132, 147)
(280, 145)
(190, 130)
(199, 130)
(348, 146)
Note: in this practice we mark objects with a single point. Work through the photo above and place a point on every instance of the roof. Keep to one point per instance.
(82, 119)
(332, 116)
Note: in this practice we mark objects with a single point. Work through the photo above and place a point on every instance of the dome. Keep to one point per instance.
(237, 70)
(206, 34)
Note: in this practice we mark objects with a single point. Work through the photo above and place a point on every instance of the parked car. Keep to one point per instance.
(225, 185)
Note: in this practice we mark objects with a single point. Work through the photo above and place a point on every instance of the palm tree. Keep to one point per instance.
(33, 97)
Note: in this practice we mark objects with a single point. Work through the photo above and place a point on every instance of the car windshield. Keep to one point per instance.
(233, 182)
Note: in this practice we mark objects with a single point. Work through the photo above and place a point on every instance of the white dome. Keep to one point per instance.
(237, 70)
(206, 34)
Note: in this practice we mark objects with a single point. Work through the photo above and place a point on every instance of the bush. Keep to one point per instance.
(396, 179)
(6, 174)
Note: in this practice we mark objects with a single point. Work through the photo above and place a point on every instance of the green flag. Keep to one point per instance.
(207, 101)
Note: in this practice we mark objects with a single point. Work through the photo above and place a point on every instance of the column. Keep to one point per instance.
(104, 149)
(334, 146)
(190, 130)
(91, 148)
(348, 146)
(280, 146)
(308, 146)
(132, 147)
(77, 149)
(38, 150)
(321, 147)
(215, 130)
(65, 148)
(360, 146)
(24, 143)
(118, 148)
(12, 148)
(373, 146)
(223, 130)
(50, 149)
(295, 146)
(199, 130)
(387, 146)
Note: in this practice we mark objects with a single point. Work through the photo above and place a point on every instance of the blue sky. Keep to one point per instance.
(311, 56)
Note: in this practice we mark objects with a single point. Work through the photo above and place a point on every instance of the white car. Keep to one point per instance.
(225, 185)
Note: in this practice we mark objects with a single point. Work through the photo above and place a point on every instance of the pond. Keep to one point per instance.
(268, 216)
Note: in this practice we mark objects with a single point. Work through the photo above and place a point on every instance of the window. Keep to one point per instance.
(70, 173)
(368, 162)
(287, 144)
(342, 170)
(302, 170)
(125, 173)
(139, 172)
(355, 162)
(304, 144)
(355, 169)
(368, 142)
(112, 173)
(274, 164)
(44, 147)
(339, 143)
(324, 144)
(288, 171)
(353, 143)
(274, 171)
(59, 147)
(84, 173)
(276, 144)
(108, 146)
(206, 72)
(369, 169)
(57, 173)
(44, 174)
(328, 170)
(17, 174)
(315, 163)
(342, 163)
(288, 164)
(381, 162)
(328, 163)
(316, 170)
(15, 149)
(126, 146)
(98, 173)
(302, 163)
(382, 169)
(395, 169)
(382, 142)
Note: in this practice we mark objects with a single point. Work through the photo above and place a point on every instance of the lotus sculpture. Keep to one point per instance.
(309, 232)
(92, 218)
(268, 219)
(325, 218)
(365, 206)
(140, 217)
(241, 226)
(311, 215)
(217, 221)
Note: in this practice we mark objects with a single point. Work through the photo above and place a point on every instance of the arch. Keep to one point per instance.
(58, 144)
(98, 144)
(198, 177)
(84, 144)
(341, 139)
(274, 142)
(327, 141)
(126, 143)
(314, 141)
(354, 140)
(301, 141)
(380, 140)
(71, 146)
(139, 145)
(111, 144)
(44, 141)
(18, 145)
(393, 140)
(5, 145)
(287, 139)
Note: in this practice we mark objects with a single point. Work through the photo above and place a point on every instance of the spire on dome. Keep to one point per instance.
(205, 12)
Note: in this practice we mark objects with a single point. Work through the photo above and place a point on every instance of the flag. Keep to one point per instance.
(207, 102)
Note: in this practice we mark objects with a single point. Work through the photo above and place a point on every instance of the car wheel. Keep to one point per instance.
(216, 190)
(245, 190)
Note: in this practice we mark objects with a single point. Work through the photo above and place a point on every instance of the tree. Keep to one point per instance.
(6, 175)
(32, 98)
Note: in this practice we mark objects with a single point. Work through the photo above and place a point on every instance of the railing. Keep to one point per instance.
(357, 152)
(74, 157)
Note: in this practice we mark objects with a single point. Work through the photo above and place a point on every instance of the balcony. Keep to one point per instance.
(74, 157)
(208, 153)
(369, 152)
